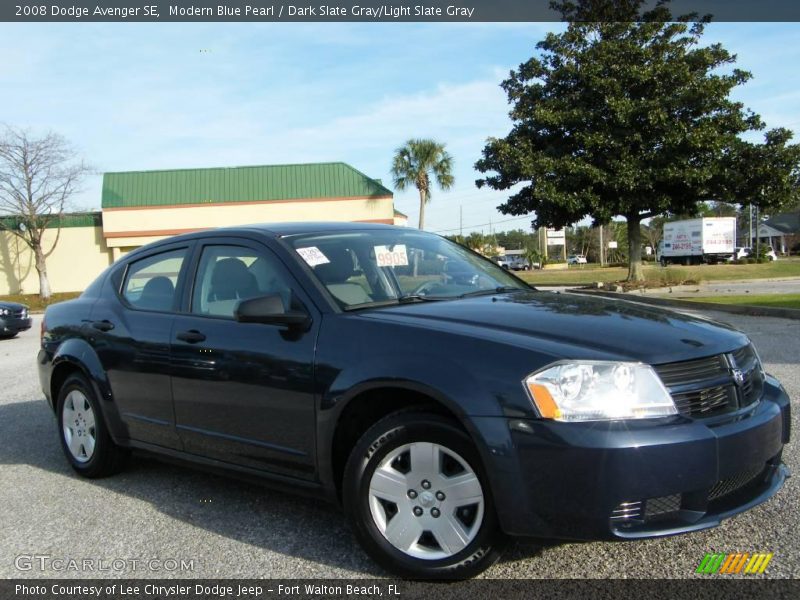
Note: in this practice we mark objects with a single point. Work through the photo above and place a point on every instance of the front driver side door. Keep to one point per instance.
(243, 392)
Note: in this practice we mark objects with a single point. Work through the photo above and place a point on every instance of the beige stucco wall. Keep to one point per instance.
(83, 252)
(80, 255)
(136, 226)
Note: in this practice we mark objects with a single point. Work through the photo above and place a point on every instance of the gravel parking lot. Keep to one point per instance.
(229, 529)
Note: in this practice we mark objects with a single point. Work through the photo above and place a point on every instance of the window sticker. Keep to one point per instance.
(313, 256)
(391, 256)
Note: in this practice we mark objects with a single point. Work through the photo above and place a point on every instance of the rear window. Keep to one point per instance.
(150, 283)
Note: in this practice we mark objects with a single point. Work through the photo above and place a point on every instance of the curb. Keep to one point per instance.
(737, 309)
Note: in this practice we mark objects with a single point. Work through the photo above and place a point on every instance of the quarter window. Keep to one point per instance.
(151, 282)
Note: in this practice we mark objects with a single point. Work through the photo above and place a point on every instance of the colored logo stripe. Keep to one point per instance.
(730, 564)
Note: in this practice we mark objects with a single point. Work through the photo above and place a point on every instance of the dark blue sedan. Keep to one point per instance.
(445, 403)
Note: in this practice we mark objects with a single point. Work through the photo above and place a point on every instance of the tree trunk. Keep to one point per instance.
(41, 268)
(635, 272)
(421, 227)
(421, 210)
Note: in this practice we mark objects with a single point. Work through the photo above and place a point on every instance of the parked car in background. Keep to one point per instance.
(514, 262)
(740, 253)
(519, 263)
(576, 259)
(445, 411)
(502, 261)
(14, 318)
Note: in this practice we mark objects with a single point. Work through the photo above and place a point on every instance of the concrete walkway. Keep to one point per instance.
(725, 288)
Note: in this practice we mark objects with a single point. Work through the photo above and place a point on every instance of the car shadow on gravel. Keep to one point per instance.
(253, 514)
(305, 528)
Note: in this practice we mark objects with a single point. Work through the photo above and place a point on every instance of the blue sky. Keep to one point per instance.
(150, 96)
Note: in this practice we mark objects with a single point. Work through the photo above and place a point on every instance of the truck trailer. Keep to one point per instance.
(695, 241)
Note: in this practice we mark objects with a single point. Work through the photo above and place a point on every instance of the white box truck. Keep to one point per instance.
(695, 241)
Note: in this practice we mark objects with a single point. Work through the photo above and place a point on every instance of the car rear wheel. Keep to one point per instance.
(84, 436)
(419, 502)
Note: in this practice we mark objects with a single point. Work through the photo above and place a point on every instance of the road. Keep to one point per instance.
(231, 529)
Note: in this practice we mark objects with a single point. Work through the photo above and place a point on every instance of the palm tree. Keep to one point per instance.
(415, 163)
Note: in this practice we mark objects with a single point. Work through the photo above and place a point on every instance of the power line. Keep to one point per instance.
(484, 224)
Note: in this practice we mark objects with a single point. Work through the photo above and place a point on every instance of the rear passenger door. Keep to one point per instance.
(243, 392)
(131, 326)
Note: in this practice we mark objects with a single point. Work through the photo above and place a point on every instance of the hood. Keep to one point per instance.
(13, 306)
(574, 325)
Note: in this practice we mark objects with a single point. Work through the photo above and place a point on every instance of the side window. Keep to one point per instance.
(150, 282)
(229, 274)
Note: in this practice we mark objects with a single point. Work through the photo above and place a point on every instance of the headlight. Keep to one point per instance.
(4, 312)
(599, 390)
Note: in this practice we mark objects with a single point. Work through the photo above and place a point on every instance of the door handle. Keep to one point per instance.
(192, 336)
(104, 325)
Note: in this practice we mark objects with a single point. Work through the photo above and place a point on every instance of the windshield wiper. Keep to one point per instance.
(503, 289)
(406, 298)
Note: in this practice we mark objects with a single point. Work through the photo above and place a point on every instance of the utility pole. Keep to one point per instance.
(602, 248)
(461, 220)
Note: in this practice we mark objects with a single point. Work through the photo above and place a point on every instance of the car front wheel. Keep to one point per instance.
(419, 502)
(84, 436)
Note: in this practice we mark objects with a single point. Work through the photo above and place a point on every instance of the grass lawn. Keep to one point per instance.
(671, 275)
(770, 300)
(33, 302)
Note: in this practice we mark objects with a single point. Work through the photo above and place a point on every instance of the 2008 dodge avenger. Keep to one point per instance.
(445, 403)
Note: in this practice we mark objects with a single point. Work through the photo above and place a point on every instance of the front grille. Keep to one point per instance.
(646, 510)
(659, 507)
(725, 487)
(708, 386)
(703, 402)
(690, 371)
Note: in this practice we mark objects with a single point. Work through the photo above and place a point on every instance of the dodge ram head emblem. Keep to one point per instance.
(738, 377)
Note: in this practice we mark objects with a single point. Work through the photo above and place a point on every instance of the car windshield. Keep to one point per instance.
(373, 267)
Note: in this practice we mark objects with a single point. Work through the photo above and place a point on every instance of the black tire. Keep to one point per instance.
(8, 336)
(107, 458)
(386, 435)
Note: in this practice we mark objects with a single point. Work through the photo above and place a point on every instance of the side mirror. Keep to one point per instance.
(270, 310)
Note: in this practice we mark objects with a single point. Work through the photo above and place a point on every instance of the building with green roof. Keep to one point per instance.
(139, 207)
(143, 206)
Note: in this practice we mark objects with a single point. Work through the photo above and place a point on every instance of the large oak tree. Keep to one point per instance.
(618, 117)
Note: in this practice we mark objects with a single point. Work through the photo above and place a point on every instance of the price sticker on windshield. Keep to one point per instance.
(313, 256)
(391, 256)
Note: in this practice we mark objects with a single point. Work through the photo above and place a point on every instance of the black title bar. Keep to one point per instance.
(358, 10)
(706, 587)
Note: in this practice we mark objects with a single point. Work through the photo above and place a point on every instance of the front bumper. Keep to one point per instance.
(11, 324)
(631, 479)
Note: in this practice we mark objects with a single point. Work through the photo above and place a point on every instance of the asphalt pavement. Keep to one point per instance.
(161, 520)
